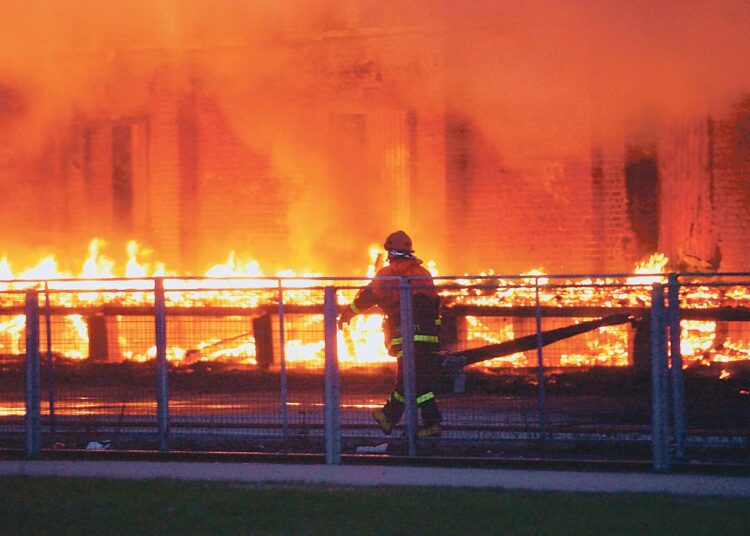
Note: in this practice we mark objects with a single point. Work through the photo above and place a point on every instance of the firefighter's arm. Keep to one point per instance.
(365, 300)
(348, 313)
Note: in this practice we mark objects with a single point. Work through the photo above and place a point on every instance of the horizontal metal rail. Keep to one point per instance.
(273, 280)
(576, 311)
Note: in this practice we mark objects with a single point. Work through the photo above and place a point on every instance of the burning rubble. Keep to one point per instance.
(226, 315)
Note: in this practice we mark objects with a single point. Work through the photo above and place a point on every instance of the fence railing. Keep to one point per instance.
(567, 367)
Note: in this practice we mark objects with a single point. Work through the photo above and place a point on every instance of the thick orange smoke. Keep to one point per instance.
(538, 80)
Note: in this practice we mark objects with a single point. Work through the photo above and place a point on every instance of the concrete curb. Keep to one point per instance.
(375, 475)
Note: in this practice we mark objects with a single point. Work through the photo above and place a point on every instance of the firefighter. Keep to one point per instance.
(426, 326)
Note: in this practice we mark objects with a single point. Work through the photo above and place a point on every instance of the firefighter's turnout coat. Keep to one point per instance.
(386, 295)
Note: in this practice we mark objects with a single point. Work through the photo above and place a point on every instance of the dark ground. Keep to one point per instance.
(601, 413)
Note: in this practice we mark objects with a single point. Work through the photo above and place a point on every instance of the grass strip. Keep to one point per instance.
(42, 505)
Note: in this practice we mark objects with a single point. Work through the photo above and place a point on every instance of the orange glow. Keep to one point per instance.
(239, 282)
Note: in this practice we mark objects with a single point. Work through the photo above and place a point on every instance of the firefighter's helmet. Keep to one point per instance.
(398, 241)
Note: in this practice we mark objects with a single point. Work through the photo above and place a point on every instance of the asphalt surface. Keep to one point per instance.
(376, 475)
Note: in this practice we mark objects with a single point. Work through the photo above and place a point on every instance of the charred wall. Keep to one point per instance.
(511, 218)
(642, 189)
(705, 199)
(614, 238)
(730, 154)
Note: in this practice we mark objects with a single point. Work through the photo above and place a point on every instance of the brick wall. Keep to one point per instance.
(731, 176)
(239, 203)
(688, 234)
(705, 190)
(614, 250)
(552, 213)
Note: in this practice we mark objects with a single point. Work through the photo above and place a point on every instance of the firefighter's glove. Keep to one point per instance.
(345, 317)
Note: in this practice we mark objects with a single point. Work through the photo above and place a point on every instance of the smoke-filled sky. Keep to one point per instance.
(538, 77)
(634, 53)
(523, 62)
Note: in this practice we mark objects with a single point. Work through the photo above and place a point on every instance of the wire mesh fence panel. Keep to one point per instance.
(497, 399)
(715, 352)
(98, 372)
(12, 366)
(224, 374)
(247, 366)
(492, 398)
(597, 382)
(368, 376)
(304, 358)
(490, 401)
(547, 365)
(527, 365)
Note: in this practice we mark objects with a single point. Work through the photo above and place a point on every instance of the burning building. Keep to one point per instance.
(580, 139)
(497, 134)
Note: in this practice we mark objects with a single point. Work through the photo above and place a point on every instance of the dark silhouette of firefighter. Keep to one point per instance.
(426, 327)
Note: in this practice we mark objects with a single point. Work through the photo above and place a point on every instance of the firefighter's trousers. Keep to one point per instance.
(427, 368)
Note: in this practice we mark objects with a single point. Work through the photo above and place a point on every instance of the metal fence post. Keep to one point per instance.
(540, 364)
(331, 378)
(162, 389)
(659, 406)
(407, 364)
(282, 365)
(50, 360)
(33, 394)
(675, 353)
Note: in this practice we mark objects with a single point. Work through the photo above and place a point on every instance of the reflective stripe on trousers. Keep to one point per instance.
(420, 399)
(417, 338)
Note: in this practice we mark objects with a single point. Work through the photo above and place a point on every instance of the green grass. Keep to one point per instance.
(31, 505)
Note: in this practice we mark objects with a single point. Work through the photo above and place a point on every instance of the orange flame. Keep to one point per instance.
(242, 283)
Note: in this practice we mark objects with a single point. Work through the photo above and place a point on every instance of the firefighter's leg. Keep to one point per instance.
(426, 402)
(393, 409)
(394, 405)
(427, 406)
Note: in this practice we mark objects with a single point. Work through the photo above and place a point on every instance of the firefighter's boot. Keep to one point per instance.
(430, 415)
(382, 420)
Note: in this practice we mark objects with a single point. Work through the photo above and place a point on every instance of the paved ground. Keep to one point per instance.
(371, 475)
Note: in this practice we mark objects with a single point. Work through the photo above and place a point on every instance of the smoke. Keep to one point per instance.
(538, 79)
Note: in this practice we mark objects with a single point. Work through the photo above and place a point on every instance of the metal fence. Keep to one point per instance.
(622, 367)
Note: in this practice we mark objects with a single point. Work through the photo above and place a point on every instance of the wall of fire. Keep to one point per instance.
(165, 162)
